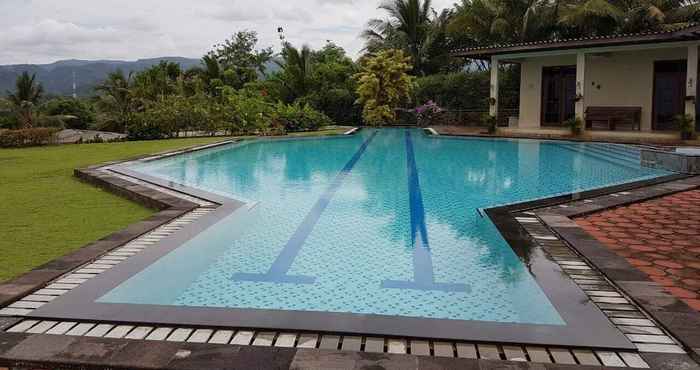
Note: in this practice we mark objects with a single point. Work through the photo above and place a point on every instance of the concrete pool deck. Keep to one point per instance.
(34, 348)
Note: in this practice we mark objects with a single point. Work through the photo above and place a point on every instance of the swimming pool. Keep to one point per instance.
(382, 224)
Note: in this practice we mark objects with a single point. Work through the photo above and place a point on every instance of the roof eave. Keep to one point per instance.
(488, 52)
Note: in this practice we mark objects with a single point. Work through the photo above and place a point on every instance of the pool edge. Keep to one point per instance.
(149, 197)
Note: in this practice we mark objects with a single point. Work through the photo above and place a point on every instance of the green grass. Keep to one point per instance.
(45, 212)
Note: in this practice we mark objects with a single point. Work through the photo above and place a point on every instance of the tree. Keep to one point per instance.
(332, 86)
(116, 99)
(383, 84)
(238, 60)
(296, 71)
(413, 26)
(598, 17)
(489, 22)
(154, 83)
(26, 96)
(211, 74)
(78, 114)
(486, 22)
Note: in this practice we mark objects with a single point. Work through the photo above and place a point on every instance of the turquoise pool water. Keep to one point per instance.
(382, 222)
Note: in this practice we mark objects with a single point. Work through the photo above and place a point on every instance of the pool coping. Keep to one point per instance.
(585, 325)
(171, 208)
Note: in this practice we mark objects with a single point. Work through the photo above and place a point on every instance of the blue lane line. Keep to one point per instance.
(279, 269)
(423, 275)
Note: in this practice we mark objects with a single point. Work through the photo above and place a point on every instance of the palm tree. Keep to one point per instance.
(116, 98)
(26, 96)
(211, 74)
(296, 71)
(484, 22)
(599, 17)
(407, 27)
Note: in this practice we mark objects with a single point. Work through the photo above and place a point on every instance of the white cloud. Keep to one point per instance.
(41, 31)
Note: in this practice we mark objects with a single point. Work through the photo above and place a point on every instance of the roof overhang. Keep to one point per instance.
(683, 36)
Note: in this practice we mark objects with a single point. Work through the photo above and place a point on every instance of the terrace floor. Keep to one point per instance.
(660, 237)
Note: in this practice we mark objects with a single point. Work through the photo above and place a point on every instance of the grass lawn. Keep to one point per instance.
(45, 212)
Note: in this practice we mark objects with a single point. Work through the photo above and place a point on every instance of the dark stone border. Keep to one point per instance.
(672, 313)
(57, 352)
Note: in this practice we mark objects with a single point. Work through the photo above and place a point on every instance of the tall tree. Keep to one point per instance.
(483, 22)
(296, 71)
(239, 59)
(116, 99)
(598, 17)
(408, 27)
(157, 81)
(25, 97)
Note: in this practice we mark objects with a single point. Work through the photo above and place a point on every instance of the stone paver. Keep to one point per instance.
(660, 237)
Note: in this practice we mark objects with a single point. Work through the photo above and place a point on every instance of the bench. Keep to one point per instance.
(611, 117)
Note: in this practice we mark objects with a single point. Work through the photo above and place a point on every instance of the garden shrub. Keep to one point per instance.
(27, 137)
(170, 116)
(300, 117)
(8, 121)
(468, 90)
(248, 113)
(461, 91)
(80, 114)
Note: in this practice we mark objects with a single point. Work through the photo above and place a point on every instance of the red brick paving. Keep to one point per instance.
(660, 237)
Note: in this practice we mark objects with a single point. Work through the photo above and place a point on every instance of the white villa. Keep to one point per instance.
(632, 82)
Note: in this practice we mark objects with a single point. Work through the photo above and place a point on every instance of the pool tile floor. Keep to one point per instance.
(661, 237)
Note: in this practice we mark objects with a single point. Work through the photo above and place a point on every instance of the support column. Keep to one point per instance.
(580, 87)
(691, 80)
(493, 104)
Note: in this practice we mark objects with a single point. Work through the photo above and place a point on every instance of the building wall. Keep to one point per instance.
(612, 79)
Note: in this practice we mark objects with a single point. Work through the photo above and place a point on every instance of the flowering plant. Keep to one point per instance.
(426, 112)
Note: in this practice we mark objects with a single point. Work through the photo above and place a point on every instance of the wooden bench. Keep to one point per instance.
(611, 117)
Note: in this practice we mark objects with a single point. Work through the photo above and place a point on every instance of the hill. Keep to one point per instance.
(57, 77)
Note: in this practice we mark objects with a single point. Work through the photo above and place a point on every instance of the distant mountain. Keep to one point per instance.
(57, 77)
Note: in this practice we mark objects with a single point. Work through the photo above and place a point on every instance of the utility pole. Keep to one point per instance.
(75, 93)
(283, 38)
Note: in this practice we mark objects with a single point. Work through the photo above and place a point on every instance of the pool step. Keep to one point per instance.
(370, 344)
(623, 149)
(612, 152)
(612, 159)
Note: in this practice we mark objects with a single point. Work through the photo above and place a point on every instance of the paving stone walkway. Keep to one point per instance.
(660, 237)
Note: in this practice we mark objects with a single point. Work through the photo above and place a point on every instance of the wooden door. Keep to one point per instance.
(558, 94)
(669, 93)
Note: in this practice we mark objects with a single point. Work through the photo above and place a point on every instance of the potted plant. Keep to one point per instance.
(686, 124)
(575, 125)
(490, 122)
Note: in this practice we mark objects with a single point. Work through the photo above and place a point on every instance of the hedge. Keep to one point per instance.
(28, 137)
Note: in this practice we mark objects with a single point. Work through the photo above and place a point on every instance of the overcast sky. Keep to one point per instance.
(43, 31)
